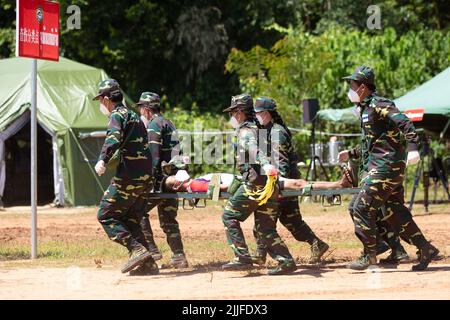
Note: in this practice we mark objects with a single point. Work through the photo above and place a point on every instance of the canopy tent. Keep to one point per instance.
(65, 111)
(433, 96)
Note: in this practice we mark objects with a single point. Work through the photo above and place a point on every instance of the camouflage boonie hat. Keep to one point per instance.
(362, 74)
(178, 162)
(265, 104)
(242, 101)
(149, 99)
(106, 88)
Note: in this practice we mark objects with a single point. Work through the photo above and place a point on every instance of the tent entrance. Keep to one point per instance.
(17, 167)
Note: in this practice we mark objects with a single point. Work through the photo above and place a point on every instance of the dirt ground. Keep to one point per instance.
(78, 274)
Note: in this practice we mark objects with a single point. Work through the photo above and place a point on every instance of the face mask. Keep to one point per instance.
(104, 110)
(353, 96)
(182, 175)
(144, 120)
(234, 123)
(263, 120)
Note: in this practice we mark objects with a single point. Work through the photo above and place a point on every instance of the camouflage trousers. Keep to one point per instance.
(238, 208)
(167, 214)
(121, 208)
(376, 192)
(385, 232)
(291, 218)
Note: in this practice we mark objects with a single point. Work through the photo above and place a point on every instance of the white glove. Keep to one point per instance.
(270, 170)
(100, 167)
(413, 158)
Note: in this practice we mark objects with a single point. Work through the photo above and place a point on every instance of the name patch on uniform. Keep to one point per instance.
(365, 117)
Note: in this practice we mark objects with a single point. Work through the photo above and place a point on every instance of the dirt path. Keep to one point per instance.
(332, 282)
(205, 244)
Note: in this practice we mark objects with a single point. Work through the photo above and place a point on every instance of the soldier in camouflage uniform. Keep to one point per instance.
(164, 145)
(240, 206)
(125, 200)
(384, 129)
(387, 238)
(285, 159)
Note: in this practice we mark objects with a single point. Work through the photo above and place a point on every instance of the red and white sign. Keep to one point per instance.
(415, 114)
(37, 29)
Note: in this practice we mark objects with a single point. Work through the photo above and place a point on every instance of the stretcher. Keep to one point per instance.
(191, 200)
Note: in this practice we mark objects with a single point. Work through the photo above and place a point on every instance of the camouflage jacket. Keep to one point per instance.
(384, 130)
(282, 152)
(134, 165)
(248, 160)
(163, 141)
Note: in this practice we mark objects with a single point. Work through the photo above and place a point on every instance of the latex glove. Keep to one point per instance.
(270, 170)
(413, 158)
(100, 167)
(343, 156)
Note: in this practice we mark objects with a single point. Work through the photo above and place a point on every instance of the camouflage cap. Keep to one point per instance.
(265, 104)
(149, 99)
(362, 74)
(242, 101)
(106, 88)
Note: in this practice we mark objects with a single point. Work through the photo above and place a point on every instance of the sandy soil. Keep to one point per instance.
(27, 280)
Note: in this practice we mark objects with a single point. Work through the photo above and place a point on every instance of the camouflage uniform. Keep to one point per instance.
(124, 202)
(285, 159)
(164, 144)
(384, 154)
(239, 207)
(385, 232)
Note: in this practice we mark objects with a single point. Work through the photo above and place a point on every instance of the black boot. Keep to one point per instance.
(285, 267)
(363, 262)
(238, 264)
(318, 248)
(259, 257)
(149, 268)
(397, 254)
(138, 255)
(426, 253)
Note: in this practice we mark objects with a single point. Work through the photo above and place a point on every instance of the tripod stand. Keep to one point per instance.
(427, 157)
(312, 166)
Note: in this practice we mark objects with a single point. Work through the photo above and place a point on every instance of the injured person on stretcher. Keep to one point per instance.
(182, 182)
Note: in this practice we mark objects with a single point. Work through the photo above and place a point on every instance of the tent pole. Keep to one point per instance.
(445, 129)
(33, 159)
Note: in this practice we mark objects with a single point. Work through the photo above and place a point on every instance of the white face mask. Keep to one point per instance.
(182, 176)
(234, 123)
(104, 110)
(353, 96)
(262, 119)
(144, 120)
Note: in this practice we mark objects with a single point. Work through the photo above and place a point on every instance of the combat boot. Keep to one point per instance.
(154, 251)
(382, 247)
(426, 253)
(397, 254)
(285, 267)
(259, 258)
(318, 248)
(138, 255)
(149, 268)
(238, 265)
(363, 262)
(178, 261)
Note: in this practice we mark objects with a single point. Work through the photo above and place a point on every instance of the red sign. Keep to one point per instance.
(37, 29)
(415, 114)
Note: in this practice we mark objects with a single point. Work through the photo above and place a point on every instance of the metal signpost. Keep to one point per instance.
(37, 37)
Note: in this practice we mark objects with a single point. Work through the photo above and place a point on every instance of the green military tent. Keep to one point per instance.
(433, 96)
(68, 119)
